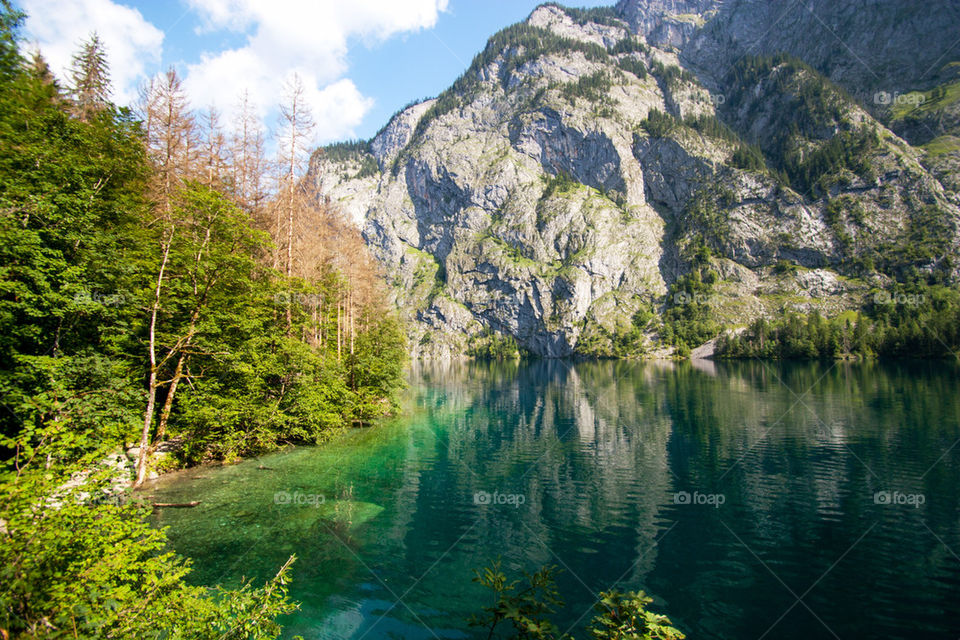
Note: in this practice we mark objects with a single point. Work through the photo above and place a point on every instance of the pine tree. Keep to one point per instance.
(90, 79)
(40, 70)
(10, 21)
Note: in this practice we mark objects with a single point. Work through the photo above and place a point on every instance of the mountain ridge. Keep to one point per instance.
(574, 189)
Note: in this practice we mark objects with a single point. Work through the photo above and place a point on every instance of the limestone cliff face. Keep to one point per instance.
(557, 190)
(862, 45)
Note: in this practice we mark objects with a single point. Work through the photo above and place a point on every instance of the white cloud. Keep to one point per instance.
(307, 36)
(60, 26)
(338, 109)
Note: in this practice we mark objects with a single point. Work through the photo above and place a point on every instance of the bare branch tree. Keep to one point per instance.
(297, 125)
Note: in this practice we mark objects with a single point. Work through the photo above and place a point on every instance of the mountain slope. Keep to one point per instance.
(580, 190)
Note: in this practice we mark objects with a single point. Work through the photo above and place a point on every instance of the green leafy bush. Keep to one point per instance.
(492, 345)
(526, 605)
(77, 561)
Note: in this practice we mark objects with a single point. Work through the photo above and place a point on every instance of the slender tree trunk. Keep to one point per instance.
(168, 403)
(276, 251)
(339, 340)
(152, 384)
(175, 381)
(290, 257)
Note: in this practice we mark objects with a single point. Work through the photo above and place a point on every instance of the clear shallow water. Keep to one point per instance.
(791, 538)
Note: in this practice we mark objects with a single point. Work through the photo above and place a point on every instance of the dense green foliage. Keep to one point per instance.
(353, 151)
(593, 87)
(81, 252)
(75, 568)
(748, 157)
(559, 184)
(347, 150)
(99, 268)
(630, 44)
(70, 244)
(816, 104)
(687, 321)
(672, 74)
(813, 172)
(634, 66)
(813, 143)
(908, 322)
(745, 156)
(492, 345)
(525, 606)
(626, 340)
(608, 16)
(658, 124)
(624, 616)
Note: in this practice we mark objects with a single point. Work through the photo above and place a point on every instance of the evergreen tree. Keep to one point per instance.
(40, 70)
(90, 79)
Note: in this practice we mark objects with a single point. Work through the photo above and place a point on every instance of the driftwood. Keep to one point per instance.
(157, 505)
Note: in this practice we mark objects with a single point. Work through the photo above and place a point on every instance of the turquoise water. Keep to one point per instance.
(750, 499)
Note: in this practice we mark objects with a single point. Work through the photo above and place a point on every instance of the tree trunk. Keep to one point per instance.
(276, 251)
(290, 207)
(168, 402)
(152, 384)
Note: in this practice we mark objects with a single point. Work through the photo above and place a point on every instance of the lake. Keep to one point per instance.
(750, 500)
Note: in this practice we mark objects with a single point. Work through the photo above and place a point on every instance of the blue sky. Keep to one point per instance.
(424, 64)
(361, 60)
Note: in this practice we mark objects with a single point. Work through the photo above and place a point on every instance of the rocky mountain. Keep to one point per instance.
(600, 181)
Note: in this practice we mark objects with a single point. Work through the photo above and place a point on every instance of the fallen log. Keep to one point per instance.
(176, 504)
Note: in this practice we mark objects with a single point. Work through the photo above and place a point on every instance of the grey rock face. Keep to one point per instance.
(398, 132)
(554, 19)
(537, 205)
(667, 23)
(865, 46)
